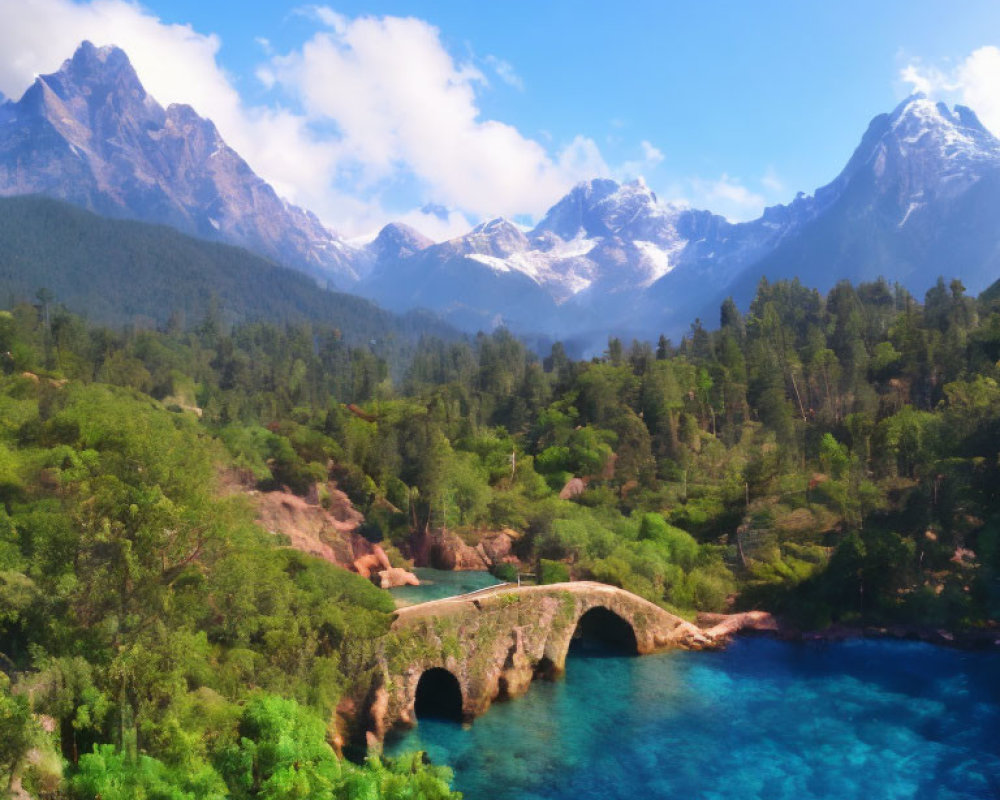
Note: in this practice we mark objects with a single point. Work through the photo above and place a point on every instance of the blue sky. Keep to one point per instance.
(724, 105)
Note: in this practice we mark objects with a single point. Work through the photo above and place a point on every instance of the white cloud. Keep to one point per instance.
(651, 157)
(266, 76)
(363, 106)
(505, 71)
(434, 226)
(403, 105)
(920, 79)
(580, 160)
(727, 196)
(974, 82)
(979, 79)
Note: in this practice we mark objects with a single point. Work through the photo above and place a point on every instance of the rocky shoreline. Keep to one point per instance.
(725, 626)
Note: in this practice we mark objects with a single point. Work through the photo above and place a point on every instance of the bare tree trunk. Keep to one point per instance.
(798, 397)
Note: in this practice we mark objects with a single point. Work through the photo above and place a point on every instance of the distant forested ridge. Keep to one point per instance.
(117, 272)
(832, 458)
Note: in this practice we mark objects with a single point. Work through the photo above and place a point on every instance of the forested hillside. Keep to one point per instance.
(116, 272)
(833, 459)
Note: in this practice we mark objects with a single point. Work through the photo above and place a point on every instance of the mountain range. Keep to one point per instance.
(919, 198)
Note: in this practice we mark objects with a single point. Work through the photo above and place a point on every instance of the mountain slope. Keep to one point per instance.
(120, 271)
(603, 240)
(91, 135)
(920, 198)
(452, 279)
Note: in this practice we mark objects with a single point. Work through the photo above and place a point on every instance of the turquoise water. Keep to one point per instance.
(763, 719)
(436, 584)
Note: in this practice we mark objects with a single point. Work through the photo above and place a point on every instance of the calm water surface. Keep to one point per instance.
(436, 584)
(763, 719)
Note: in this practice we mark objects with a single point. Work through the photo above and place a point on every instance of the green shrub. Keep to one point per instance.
(552, 571)
(110, 775)
(505, 572)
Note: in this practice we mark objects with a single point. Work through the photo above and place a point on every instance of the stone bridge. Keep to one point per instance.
(456, 656)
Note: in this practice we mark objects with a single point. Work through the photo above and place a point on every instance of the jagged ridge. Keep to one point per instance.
(918, 198)
(90, 134)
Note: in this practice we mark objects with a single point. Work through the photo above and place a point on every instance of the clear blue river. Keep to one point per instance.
(763, 719)
(436, 584)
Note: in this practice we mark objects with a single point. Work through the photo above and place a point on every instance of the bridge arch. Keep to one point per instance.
(438, 695)
(601, 628)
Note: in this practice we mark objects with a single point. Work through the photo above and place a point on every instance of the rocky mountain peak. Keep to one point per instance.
(919, 122)
(90, 134)
(497, 237)
(920, 150)
(602, 208)
(183, 114)
(101, 77)
(197, 134)
(499, 226)
(396, 241)
(571, 216)
(91, 63)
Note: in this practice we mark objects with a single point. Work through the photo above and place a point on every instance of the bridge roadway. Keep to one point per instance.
(490, 644)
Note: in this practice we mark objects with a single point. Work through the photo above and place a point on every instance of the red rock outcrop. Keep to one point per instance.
(444, 549)
(376, 567)
(723, 626)
(497, 547)
(574, 488)
(330, 535)
(397, 576)
(329, 532)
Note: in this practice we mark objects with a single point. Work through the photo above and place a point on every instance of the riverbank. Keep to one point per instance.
(725, 626)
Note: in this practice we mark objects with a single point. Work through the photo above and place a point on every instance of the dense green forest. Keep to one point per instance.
(832, 459)
(122, 272)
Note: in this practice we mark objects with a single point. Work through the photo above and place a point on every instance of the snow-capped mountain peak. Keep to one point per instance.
(602, 236)
(603, 207)
(957, 133)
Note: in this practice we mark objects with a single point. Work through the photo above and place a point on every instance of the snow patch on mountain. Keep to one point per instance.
(561, 268)
(658, 258)
(615, 236)
(955, 134)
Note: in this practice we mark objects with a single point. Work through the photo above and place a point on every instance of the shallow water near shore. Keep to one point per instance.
(763, 719)
(436, 584)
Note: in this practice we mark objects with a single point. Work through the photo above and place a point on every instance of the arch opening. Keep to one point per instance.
(438, 696)
(600, 632)
(544, 669)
